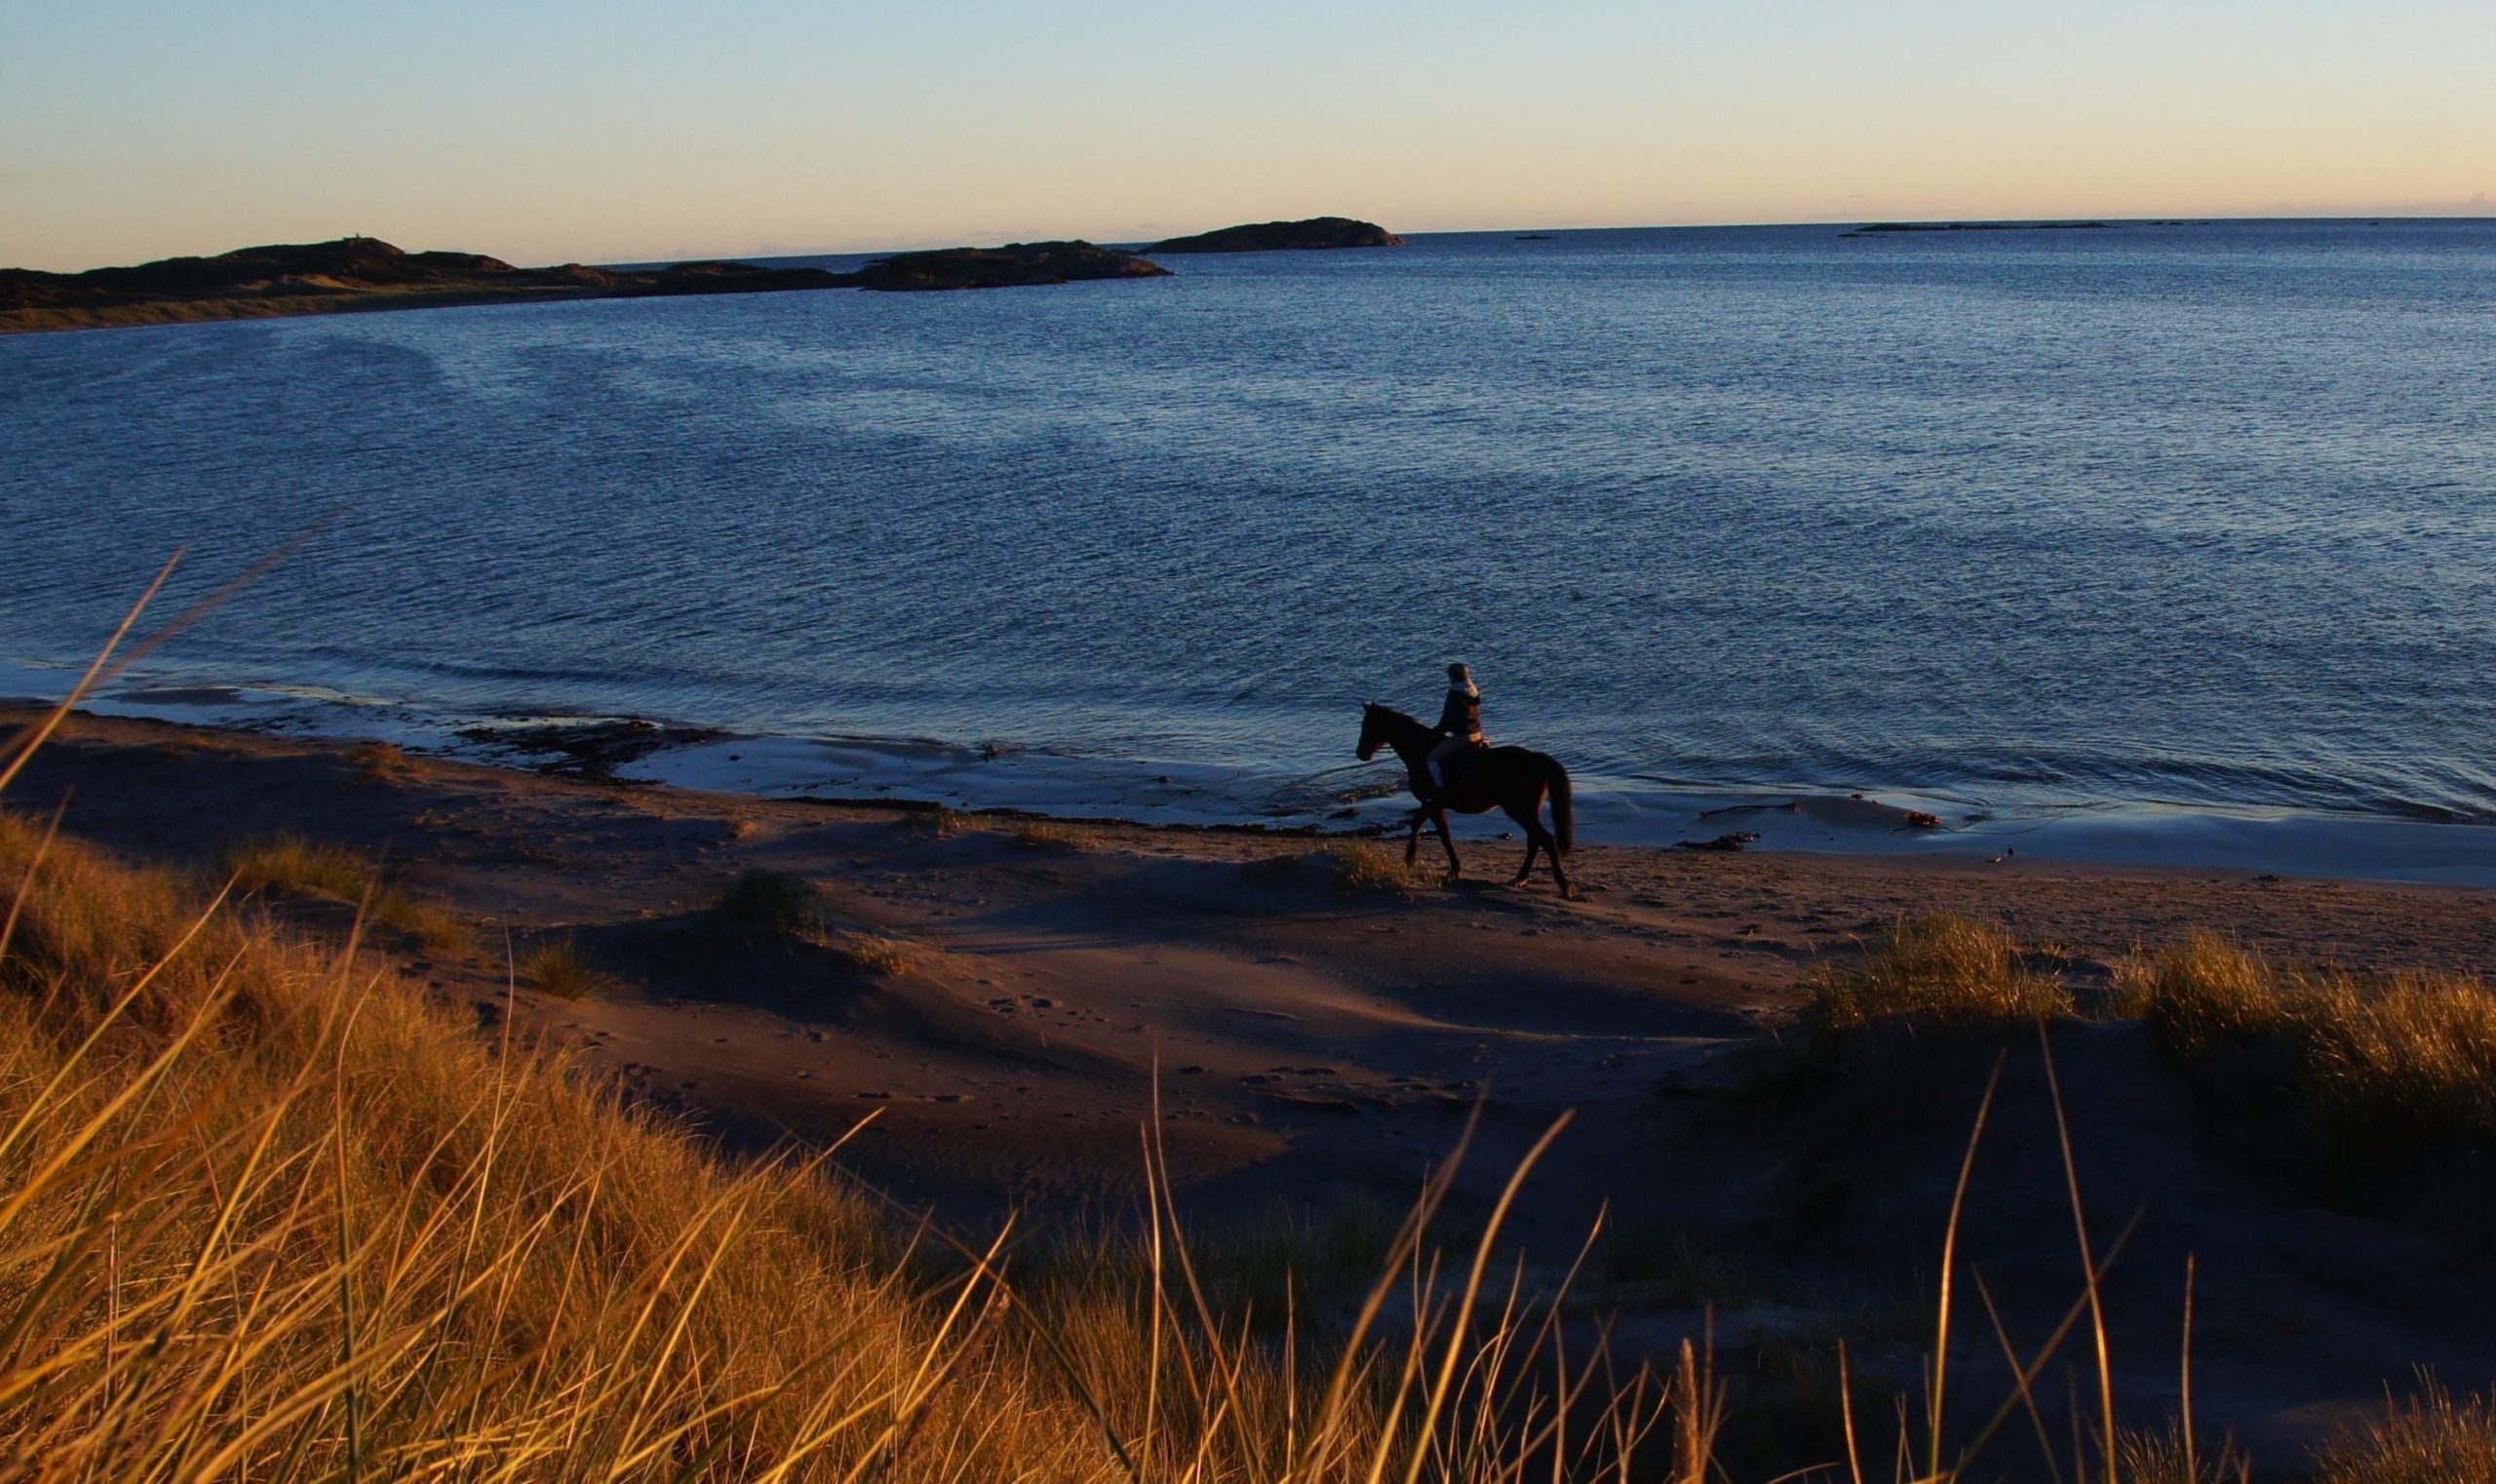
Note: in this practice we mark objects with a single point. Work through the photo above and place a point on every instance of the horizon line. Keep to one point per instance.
(771, 251)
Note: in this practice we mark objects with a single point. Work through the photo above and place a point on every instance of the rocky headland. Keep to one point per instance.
(1315, 232)
(351, 273)
(363, 273)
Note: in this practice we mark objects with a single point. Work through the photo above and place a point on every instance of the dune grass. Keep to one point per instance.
(1053, 835)
(2380, 1076)
(1364, 865)
(290, 865)
(1937, 971)
(267, 1213)
(872, 954)
(2168, 1454)
(2396, 1060)
(557, 967)
(381, 761)
(2433, 1436)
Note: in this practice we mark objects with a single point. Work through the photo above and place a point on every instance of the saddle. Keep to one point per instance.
(1457, 765)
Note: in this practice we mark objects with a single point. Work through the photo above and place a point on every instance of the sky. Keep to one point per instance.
(547, 131)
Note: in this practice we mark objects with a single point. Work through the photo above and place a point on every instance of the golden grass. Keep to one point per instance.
(288, 865)
(1363, 865)
(875, 954)
(557, 967)
(381, 761)
(1052, 834)
(267, 1213)
(2432, 1437)
(2166, 1456)
(2417, 1051)
(2405, 1056)
(1937, 971)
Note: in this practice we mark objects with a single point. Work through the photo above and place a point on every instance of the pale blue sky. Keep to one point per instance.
(633, 128)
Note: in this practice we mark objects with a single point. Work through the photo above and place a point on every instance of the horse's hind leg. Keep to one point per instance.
(1558, 873)
(1534, 840)
(1538, 839)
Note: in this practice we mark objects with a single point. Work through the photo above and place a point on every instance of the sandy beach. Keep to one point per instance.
(1314, 1046)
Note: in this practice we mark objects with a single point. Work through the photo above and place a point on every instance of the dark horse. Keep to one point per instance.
(1510, 778)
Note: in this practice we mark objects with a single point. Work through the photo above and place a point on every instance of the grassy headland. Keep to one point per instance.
(361, 273)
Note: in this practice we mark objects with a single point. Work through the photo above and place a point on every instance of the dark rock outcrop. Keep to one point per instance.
(1020, 264)
(353, 266)
(347, 266)
(357, 273)
(724, 278)
(1315, 232)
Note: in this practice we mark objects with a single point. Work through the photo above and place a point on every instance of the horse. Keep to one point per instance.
(1510, 778)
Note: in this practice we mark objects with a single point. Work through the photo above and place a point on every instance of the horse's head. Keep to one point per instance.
(1373, 730)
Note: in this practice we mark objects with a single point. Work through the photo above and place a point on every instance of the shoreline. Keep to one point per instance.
(1345, 799)
(81, 319)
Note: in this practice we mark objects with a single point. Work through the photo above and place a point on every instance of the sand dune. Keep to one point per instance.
(1037, 995)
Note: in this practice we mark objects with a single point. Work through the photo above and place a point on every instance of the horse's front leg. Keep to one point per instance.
(1413, 841)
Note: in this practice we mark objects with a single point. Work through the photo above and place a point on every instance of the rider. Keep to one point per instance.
(1460, 723)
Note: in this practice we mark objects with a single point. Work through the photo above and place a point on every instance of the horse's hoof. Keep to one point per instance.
(1515, 881)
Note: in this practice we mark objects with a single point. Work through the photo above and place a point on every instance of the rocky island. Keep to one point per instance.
(1315, 232)
(1016, 265)
(365, 273)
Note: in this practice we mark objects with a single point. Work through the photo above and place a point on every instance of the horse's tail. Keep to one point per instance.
(1564, 818)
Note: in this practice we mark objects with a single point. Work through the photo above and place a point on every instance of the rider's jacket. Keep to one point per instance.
(1461, 716)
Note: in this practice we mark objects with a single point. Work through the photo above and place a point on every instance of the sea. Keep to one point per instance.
(2169, 542)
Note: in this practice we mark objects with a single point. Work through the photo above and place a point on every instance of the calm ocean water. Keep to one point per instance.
(2196, 515)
